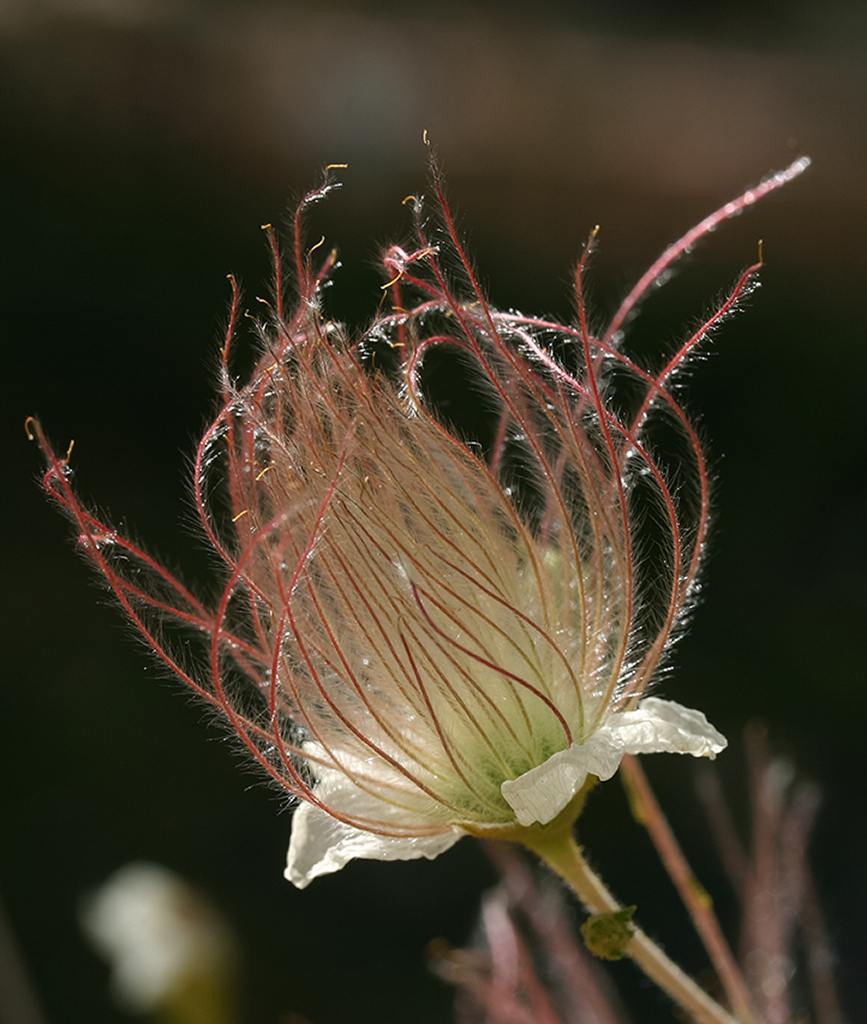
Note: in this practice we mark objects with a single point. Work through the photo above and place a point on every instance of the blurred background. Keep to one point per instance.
(142, 144)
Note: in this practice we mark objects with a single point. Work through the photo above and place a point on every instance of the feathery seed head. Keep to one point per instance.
(424, 632)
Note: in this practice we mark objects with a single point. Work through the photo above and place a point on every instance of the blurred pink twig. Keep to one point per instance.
(774, 884)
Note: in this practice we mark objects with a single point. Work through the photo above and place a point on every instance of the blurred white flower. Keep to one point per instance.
(159, 935)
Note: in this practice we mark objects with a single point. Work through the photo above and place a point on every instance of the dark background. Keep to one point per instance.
(142, 143)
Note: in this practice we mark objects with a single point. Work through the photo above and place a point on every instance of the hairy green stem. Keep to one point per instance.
(560, 852)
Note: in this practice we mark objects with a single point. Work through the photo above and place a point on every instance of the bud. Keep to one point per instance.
(434, 624)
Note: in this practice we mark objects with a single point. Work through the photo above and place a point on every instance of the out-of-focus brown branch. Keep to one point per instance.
(497, 985)
(820, 957)
(765, 951)
(732, 853)
(18, 1003)
(795, 831)
(647, 811)
(774, 883)
(513, 973)
(584, 992)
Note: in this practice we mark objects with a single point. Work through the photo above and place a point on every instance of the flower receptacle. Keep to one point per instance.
(536, 837)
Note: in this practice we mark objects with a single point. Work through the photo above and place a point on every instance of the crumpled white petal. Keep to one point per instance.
(542, 792)
(655, 726)
(321, 844)
(663, 726)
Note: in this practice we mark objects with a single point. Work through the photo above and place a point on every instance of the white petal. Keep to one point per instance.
(655, 726)
(541, 793)
(321, 844)
(658, 726)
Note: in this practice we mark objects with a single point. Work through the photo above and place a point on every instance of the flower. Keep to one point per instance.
(438, 618)
(170, 950)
